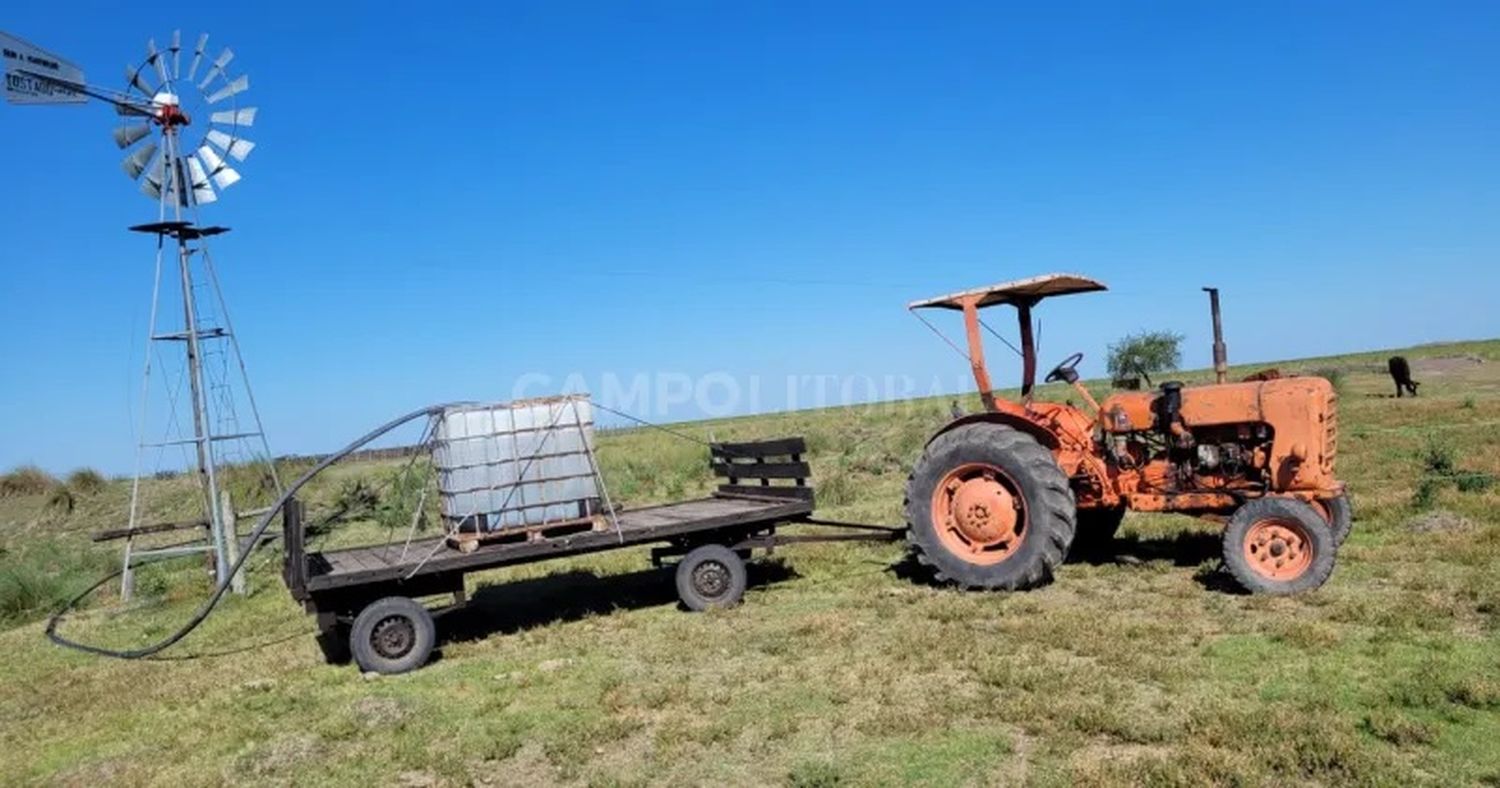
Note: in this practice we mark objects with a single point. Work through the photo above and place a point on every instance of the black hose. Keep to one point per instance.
(223, 586)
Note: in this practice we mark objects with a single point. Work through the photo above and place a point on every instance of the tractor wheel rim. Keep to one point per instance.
(711, 579)
(1278, 549)
(979, 514)
(393, 637)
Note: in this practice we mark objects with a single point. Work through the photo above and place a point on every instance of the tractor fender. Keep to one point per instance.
(1043, 435)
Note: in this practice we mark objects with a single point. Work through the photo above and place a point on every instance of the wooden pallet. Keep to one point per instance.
(468, 542)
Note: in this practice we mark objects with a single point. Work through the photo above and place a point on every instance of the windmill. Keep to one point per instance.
(160, 108)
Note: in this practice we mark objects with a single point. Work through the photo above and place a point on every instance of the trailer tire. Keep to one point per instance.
(988, 545)
(1279, 546)
(392, 635)
(711, 576)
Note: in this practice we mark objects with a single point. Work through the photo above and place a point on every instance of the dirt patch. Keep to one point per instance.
(1438, 520)
(280, 755)
(90, 773)
(376, 713)
(418, 780)
(1443, 365)
(529, 766)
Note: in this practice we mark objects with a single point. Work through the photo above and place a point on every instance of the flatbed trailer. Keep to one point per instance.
(365, 598)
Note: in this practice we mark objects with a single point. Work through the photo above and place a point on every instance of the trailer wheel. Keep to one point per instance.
(1278, 546)
(711, 576)
(392, 635)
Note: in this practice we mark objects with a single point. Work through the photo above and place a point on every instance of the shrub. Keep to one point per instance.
(1144, 353)
(1334, 376)
(1473, 481)
(86, 481)
(26, 480)
(1438, 457)
(815, 774)
(42, 578)
(356, 499)
(61, 499)
(1440, 468)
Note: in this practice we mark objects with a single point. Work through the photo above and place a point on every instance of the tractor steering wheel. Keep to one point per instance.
(1066, 371)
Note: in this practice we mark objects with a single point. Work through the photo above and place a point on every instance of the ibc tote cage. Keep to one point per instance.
(526, 467)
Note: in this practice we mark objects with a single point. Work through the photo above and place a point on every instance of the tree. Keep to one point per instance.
(1144, 353)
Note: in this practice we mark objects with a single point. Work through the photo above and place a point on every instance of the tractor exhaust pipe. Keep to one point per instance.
(1221, 353)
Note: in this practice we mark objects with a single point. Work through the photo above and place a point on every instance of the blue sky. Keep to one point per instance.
(445, 199)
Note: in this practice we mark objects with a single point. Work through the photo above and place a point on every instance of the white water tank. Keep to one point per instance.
(514, 464)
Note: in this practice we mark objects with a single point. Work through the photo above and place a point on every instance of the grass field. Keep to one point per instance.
(1146, 668)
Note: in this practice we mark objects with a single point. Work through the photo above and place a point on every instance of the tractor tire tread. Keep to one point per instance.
(1324, 548)
(1054, 505)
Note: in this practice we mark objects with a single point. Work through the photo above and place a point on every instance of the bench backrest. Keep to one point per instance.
(767, 469)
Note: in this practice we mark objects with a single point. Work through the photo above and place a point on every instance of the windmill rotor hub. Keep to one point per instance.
(169, 110)
(159, 90)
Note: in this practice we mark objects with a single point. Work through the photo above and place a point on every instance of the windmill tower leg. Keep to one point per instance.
(157, 105)
(203, 440)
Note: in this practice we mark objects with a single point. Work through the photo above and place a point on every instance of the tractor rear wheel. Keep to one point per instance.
(1278, 546)
(988, 507)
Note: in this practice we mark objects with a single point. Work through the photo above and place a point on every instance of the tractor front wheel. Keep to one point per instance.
(988, 507)
(1340, 516)
(1279, 546)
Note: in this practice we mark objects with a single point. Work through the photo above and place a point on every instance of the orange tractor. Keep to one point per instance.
(1000, 498)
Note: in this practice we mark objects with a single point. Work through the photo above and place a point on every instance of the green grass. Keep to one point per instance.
(836, 671)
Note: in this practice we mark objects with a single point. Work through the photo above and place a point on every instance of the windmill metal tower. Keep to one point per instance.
(158, 108)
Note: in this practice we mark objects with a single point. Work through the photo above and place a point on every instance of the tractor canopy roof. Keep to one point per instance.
(1022, 291)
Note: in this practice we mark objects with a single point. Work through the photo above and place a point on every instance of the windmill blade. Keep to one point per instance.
(178, 187)
(218, 68)
(203, 193)
(237, 117)
(222, 175)
(197, 55)
(238, 86)
(136, 162)
(210, 158)
(226, 177)
(176, 50)
(133, 73)
(154, 58)
(238, 148)
(125, 136)
(151, 186)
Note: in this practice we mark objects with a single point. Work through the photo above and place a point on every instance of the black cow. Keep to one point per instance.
(1401, 373)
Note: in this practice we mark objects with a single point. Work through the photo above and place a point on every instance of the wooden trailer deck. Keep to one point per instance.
(398, 562)
(366, 599)
(765, 483)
